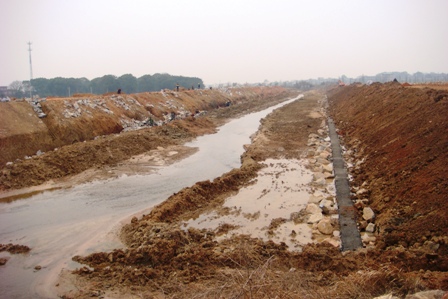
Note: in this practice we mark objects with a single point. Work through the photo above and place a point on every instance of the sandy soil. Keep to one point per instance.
(398, 133)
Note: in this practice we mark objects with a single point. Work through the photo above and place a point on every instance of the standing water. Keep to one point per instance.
(58, 225)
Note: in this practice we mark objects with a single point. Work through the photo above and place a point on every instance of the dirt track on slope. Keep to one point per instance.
(399, 134)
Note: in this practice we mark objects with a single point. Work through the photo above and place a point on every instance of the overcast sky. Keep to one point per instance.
(222, 41)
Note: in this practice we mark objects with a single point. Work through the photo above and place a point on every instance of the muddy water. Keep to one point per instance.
(280, 190)
(60, 224)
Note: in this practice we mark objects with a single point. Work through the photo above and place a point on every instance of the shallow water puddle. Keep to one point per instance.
(279, 192)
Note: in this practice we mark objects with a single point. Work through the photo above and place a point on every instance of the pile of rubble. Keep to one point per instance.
(75, 109)
(37, 107)
(178, 111)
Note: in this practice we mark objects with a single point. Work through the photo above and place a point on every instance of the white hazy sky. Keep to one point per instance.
(222, 41)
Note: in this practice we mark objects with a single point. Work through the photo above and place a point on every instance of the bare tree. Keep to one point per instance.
(18, 88)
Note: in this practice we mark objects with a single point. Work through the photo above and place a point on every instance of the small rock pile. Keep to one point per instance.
(37, 107)
(322, 206)
(78, 108)
(124, 103)
(361, 198)
(322, 209)
(75, 109)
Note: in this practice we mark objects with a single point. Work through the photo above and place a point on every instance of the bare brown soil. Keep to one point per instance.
(91, 141)
(400, 134)
(14, 248)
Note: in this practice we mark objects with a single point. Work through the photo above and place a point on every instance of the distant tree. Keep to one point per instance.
(107, 83)
(162, 81)
(59, 87)
(78, 85)
(145, 83)
(128, 83)
(18, 89)
(41, 87)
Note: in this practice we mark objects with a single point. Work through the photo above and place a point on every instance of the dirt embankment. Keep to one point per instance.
(164, 259)
(398, 139)
(81, 132)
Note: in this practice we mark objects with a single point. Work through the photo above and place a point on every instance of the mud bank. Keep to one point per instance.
(81, 133)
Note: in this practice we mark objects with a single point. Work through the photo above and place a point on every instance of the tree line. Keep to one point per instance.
(109, 83)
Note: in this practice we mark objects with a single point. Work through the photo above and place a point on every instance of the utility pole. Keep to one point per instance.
(31, 70)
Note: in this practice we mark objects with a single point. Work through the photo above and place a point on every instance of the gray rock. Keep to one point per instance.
(370, 228)
(313, 209)
(325, 154)
(315, 218)
(322, 161)
(368, 214)
(328, 168)
(314, 199)
(326, 203)
(320, 182)
(324, 226)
